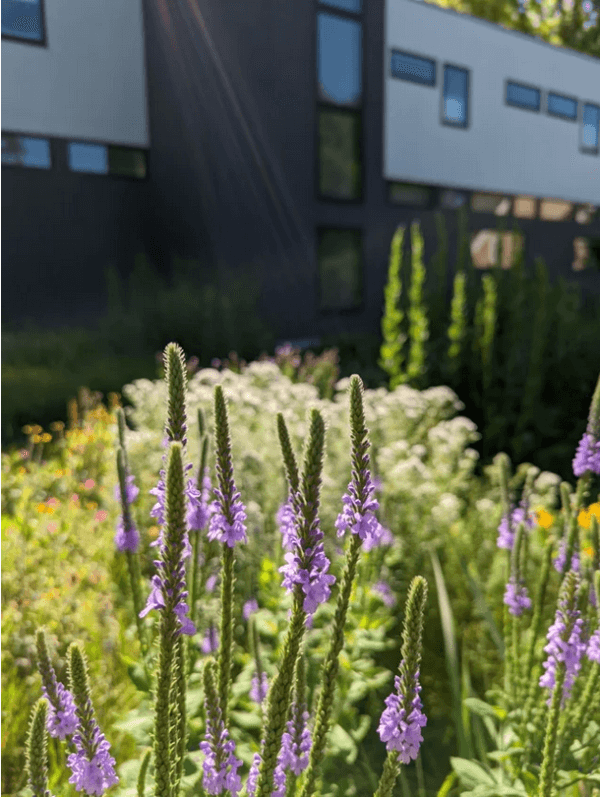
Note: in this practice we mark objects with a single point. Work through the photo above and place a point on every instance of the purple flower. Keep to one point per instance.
(279, 778)
(156, 598)
(398, 731)
(220, 529)
(210, 642)
(295, 742)
(252, 781)
(378, 540)
(158, 510)
(127, 539)
(211, 582)
(92, 765)
(561, 559)
(287, 524)
(506, 530)
(387, 596)
(516, 598)
(220, 764)
(358, 513)
(559, 650)
(199, 508)
(315, 582)
(258, 691)
(587, 456)
(249, 608)
(593, 647)
(61, 720)
(131, 491)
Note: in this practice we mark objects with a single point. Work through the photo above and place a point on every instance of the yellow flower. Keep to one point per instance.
(544, 519)
(91, 505)
(45, 438)
(589, 551)
(27, 429)
(41, 508)
(36, 438)
(585, 516)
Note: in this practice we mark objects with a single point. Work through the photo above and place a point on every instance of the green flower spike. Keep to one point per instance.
(289, 459)
(412, 642)
(195, 569)
(279, 697)
(176, 378)
(37, 750)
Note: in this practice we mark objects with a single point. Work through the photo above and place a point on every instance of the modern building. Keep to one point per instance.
(290, 137)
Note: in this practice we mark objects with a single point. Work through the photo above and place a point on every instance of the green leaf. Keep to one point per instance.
(363, 726)
(483, 709)
(502, 755)
(447, 785)
(245, 719)
(470, 773)
(341, 742)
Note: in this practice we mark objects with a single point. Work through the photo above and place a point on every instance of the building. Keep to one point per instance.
(290, 137)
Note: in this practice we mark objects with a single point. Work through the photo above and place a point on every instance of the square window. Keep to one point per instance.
(564, 107)
(22, 19)
(408, 194)
(485, 247)
(26, 151)
(346, 5)
(411, 67)
(340, 269)
(339, 47)
(126, 162)
(452, 200)
(339, 154)
(555, 210)
(525, 207)
(91, 158)
(491, 203)
(456, 96)
(522, 96)
(589, 127)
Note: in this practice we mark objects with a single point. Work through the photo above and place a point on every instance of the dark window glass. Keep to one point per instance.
(456, 90)
(407, 194)
(339, 59)
(26, 151)
(345, 5)
(127, 162)
(452, 200)
(23, 19)
(339, 154)
(340, 267)
(91, 158)
(590, 124)
(562, 106)
(522, 96)
(411, 67)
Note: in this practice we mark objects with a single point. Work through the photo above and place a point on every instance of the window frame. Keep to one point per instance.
(525, 86)
(51, 144)
(458, 125)
(43, 42)
(412, 55)
(431, 189)
(336, 311)
(556, 115)
(588, 150)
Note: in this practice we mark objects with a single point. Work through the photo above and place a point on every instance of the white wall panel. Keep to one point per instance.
(504, 149)
(88, 82)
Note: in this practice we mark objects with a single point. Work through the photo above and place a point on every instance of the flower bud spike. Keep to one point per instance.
(37, 750)
(587, 457)
(289, 458)
(220, 764)
(61, 714)
(201, 423)
(176, 379)
(121, 428)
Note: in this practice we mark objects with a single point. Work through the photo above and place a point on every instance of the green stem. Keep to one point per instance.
(391, 769)
(226, 636)
(549, 754)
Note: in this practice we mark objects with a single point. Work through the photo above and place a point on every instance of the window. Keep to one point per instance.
(103, 159)
(339, 154)
(413, 68)
(408, 194)
(565, 107)
(24, 20)
(340, 269)
(522, 96)
(485, 247)
(346, 5)
(491, 203)
(452, 200)
(456, 91)
(589, 129)
(555, 210)
(525, 207)
(339, 59)
(585, 213)
(26, 151)
(586, 252)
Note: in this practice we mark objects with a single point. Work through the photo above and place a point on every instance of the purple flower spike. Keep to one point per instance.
(294, 756)
(210, 643)
(399, 732)
(587, 456)
(220, 529)
(560, 561)
(62, 721)
(279, 778)
(506, 530)
(92, 774)
(316, 582)
(559, 650)
(287, 524)
(249, 608)
(258, 691)
(199, 507)
(386, 594)
(131, 491)
(358, 514)
(217, 779)
(127, 539)
(516, 598)
(593, 647)
(252, 781)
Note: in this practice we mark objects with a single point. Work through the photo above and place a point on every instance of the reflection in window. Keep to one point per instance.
(452, 200)
(91, 158)
(339, 154)
(413, 68)
(26, 151)
(485, 246)
(524, 207)
(586, 254)
(522, 96)
(127, 162)
(455, 96)
(491, 203)
(339, 59)
(555, 210)
(345, 5)
(590, 124)
(340, 269)
(408, 194)
(562, 106)
(23, 19)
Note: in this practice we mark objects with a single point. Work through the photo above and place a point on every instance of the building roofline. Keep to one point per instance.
(529, 37)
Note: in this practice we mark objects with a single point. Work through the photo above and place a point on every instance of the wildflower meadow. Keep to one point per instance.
(234, 586)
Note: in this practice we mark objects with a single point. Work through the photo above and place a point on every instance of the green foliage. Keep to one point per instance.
(391, 359)
(416, 371)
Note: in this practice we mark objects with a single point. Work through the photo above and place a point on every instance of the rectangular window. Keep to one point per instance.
(565, 107)
(339, 154)
(413, 68)
(339, 53)
(485, 248)
(355, 6)
(456, 96)
(26, 151)
(491, 203)
(340, 269)
(408, 194)
(555, 210)
(23, 19)
(589, 128)
(106, 159)
(452, 200)
(525, 207)
(522, 96)
(126, 162)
